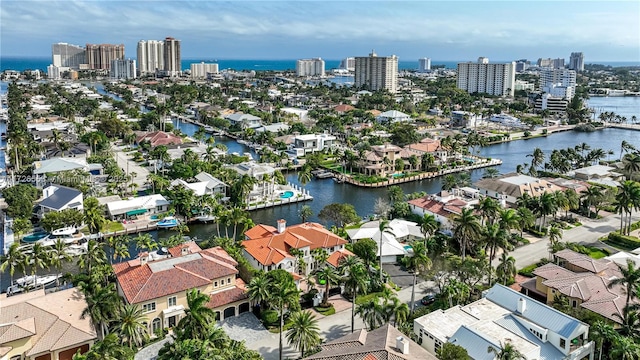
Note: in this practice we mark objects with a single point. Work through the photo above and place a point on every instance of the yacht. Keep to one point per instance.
(31, 281)
(168, 222)
(69, 235)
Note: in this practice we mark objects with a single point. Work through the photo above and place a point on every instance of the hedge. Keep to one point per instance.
(624, 241)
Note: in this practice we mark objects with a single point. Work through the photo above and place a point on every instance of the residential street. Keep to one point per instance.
(129, 166)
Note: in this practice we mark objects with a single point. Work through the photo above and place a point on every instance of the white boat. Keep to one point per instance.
(67, 239)
(77, 250)
(69, 230)
(168, 222)
(33, 282)
(205, 218)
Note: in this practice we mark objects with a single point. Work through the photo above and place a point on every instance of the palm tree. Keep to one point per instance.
(329, 275)
(507, 352)
(93, 217)
(303, 332)
(94, 256)
(508, 220)
(57, 256)
(555, 235)
(631, 165)
(130, 325)
(600, 332)
(624, 148)
(304, 175)
(371, 313)
(630, 279)
(592, 196)
(12, 259)
(396, 308)
(109, 348)
(466, 227)
(198, 317)
(428, 226)
(537, 158)
(39, 258)
(383, 228)
(102, 304)
(144, 241)
(625, 348)
(494, 237)
(526, 218)
(507, 268)
(546, 206)
(354, 279)
(258, 289)
(284, 295)
(419, 262)
(305, 213)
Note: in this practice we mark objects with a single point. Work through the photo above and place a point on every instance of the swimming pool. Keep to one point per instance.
(286, 194)
(34, 237)
(408, 248)
(397, 175)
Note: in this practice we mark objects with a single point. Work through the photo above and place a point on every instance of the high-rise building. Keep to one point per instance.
(576, 61)
(348, 64)
(202, 70)
(551, 63)
(310, 67)
(99, 56)
(375, 72)
(67, 55)
(150, 56)
(558, 82)
(483, 77)
(123, 69)
(424, 64)
(172, 66)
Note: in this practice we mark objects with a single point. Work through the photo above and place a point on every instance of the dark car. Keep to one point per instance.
(428, 299)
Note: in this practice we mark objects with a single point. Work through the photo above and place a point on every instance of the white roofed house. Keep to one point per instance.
(310, 143)
(57, 198)
(206, 185)
(258, 171)
(142, 205)
(392, 116)
(244, 121)
(400, 231)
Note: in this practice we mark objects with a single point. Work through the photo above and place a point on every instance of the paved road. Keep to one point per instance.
(129, 166)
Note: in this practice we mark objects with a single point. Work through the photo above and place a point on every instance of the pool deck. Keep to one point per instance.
(299, 194)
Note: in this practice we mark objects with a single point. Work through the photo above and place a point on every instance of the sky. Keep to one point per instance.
(442, 30)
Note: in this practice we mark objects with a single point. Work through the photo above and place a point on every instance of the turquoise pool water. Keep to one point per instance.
(408, 248)
(34, 237)
(397, 175)
(286, 194)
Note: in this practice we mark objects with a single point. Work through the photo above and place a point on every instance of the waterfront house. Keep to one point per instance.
(57, 198)
(510, 187)
(536, 330)
(584, 281)
(61, 166)
(268, 248)
(380, 159)
(273, 128)
(600, 174)
(261, 172)
(310, 143)
(141, 205)
(157, 138)
(160, 287)
(244, 121)
(424, 146)
(445, 204)
(385, 342)
(465, 119)
(39, 326)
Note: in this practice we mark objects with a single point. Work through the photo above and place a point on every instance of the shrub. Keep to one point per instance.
(270, 317)
(623, 241)
(528, 270)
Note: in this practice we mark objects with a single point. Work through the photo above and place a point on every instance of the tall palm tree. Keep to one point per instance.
(371, 312)
(12, 259)
(284, 295)
(428, 226)
(93, 215)
(130, 325)
(355, 279)
(600, 332)
(546, 206)
(144, 241)
(627, 198)
(198, 317)
(592, 197)
(304, 175)
(555, 235)
(419, 262)
(396, 308)
(507, 268)
(507, 352)
(466, 227)
(625, 348)
(102, 305)
(630, 279)
(508, 220)
(303, 332)
(631, 165)
(383, 228)
(94, 256)
(58, 255)
(526, 218)
(494, 237)
(39, 258)
(537, 158)
(330, 276)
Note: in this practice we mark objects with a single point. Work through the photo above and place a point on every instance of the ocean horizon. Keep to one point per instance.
(40, 63)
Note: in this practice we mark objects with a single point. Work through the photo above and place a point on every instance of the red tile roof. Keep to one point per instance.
(179, 273)
(158, 138)
(269, 247)
(335, 258)
(229, 296)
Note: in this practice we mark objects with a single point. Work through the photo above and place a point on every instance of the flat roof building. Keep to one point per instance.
(483, 77)
(375, 72)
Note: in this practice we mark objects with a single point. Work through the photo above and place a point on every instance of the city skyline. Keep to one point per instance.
(332, 30)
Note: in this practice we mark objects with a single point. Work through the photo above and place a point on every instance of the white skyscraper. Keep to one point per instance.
(348, 64)
(150, 56)
(172, 58)
(202, 70)
(376, 73)
(123, 69)
(576, 61)
(424, 65)
(310, 67)
(67, 55)
(483, 77)
(558, 82)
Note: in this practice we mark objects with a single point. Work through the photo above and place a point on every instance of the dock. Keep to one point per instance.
(635, 127)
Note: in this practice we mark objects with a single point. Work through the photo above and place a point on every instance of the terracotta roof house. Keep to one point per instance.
(38, 326)
(160, 287)
(343, 108)
(584, 280)
(385, 342)
(158, 138)
(445, 204)
(268, 248)
(425, 145)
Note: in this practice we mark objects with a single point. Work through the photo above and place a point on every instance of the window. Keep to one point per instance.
(228, 281)
(215, 284)
(563, 343)
(149, 307)
(155, 325)
(574, 303)
(172, 301)
(221, 282)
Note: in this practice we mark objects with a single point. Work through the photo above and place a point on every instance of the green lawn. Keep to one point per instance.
(113, 226)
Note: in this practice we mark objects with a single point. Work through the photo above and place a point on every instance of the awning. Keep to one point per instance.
(136, 212)
(174, 310)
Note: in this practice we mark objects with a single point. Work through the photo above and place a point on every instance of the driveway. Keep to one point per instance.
(399, 277)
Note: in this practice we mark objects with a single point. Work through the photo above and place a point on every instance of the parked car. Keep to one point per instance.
(428, 299)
